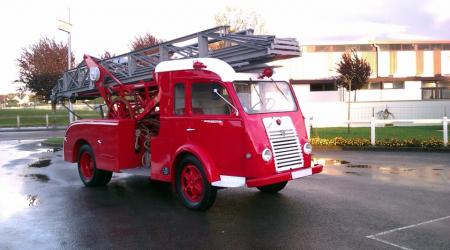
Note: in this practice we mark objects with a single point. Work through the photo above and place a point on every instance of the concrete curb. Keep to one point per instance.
(52, 145)
(29, 129)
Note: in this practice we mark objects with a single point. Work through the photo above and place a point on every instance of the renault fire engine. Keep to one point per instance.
(194, 122)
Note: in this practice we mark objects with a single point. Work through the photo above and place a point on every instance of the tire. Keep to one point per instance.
(192, 186)
(273, 188)
(87, 169)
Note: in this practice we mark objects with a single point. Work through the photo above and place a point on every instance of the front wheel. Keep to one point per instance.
(273, 188)
(193, 188)
(87, 168)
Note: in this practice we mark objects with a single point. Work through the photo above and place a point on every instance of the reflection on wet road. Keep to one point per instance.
(13, 154)
(382, 171)
(44, 204)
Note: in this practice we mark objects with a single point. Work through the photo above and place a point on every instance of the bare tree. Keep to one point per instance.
(353, 73)
(144, 41)
(239, 20)
(106, 55)
(40, 66)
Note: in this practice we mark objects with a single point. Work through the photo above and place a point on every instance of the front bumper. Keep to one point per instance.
(286, 176)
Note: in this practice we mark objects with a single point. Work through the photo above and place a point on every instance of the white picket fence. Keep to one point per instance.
(373, 123)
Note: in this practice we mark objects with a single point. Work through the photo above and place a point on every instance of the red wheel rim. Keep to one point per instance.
(192, 183)
(87, 166)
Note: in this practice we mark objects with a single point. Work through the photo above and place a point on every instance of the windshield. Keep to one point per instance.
(265, 96)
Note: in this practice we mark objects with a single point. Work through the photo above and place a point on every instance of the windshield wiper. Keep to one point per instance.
(278, 88)
(259, 96)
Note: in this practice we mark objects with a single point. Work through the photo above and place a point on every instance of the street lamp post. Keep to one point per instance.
(66, 26)
(349, 81)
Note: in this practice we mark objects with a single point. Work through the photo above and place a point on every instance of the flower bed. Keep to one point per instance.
(388, 143)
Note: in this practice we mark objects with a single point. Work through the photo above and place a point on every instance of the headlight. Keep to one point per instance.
(307, 148)
(266, 155)
(94, 74)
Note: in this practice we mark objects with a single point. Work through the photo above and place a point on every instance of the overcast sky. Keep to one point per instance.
(111, 25)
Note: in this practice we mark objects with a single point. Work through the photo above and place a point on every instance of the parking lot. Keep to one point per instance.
(363, 200)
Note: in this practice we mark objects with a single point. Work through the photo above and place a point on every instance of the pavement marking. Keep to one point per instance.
(389, 243)
(375, 236)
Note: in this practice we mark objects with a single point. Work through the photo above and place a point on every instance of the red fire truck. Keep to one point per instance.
(196, 123)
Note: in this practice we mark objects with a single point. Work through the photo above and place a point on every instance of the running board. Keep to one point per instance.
(142, 171)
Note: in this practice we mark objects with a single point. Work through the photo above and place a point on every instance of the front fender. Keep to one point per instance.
(212, 174)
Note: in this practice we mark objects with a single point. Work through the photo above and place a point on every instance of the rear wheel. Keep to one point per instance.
(273, 188)
(87, 168)
(193, 188)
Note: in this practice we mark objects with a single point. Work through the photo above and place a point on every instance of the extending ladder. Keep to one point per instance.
(242, 50)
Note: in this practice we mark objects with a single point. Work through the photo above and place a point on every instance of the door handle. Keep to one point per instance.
(190, 129)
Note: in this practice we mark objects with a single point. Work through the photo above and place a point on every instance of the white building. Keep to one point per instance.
(410, 78)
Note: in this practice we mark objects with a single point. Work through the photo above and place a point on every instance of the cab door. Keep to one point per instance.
(172, 134)
(214, 126)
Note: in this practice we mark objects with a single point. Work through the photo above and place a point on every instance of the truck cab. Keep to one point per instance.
(217, 129)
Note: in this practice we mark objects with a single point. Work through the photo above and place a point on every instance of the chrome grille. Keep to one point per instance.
(286, 149)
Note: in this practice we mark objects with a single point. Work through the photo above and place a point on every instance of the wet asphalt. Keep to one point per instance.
(354, 204)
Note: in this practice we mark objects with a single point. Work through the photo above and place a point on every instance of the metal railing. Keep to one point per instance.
(47, 120)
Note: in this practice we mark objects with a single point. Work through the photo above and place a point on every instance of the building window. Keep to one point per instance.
(322, 87)
(435, 90)
(394, 85)
(392, 62)
(419, 62)
(372, 85)
(395, 47)
(424, 47)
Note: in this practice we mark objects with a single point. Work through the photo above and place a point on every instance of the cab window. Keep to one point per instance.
(179, 100)
(207, 99)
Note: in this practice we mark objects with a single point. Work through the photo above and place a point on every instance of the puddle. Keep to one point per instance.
(396, 170)
(28, 145)
(33, 200)
(330, 162)
(52, 150)
(12, 200)
(358, 166)
(353, 173)
(386, 169)
(38, 177)
(40, 163)
(14, 153)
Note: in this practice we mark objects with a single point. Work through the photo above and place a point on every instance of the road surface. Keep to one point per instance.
(363, 200)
